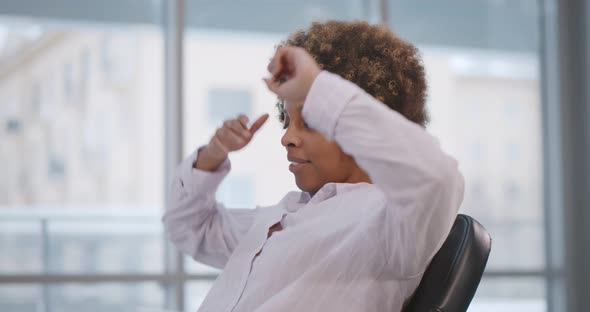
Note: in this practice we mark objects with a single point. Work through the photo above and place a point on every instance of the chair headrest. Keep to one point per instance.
(450, 281)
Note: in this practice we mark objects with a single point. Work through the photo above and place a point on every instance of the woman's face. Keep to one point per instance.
(315, 161)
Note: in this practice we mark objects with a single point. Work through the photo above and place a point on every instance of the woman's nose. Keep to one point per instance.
(290, 138)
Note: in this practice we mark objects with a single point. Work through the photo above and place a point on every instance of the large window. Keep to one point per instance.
(82, 140)
(82, 89)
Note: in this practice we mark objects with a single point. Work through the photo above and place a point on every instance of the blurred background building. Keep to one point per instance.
(83, 101)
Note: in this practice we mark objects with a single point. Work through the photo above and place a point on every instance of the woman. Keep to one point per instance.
(378, 196)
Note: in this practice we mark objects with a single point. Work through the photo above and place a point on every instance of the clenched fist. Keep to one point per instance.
(232, 136)
(293, 71)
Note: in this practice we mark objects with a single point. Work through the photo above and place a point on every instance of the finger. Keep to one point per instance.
(238, 128)
(258, 123)
(284, 90)
(275, 65)
(288, 58)
(281, 66)
(272, 85)
(229, 139)
(244, 120)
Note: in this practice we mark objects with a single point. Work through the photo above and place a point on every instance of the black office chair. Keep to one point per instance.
(450, 281)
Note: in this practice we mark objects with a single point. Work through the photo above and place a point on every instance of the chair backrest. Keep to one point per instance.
(453, 275)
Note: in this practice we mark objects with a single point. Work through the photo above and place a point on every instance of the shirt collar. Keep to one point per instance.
(328, 191)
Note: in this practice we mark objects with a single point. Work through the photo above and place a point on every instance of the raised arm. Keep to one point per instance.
(194, 221)
(422, 185)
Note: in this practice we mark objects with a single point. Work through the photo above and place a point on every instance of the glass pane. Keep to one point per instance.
(106, 297)
(195, 293)
(124, 244)
(510, 295)
(142, 297)
(21, 243)
(481, 24)
(20, 298)
(270, 16)
(81, 127)
(482, 68)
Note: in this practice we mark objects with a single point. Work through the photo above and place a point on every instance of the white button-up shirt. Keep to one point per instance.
(352, 247)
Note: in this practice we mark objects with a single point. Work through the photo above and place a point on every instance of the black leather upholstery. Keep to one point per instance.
(450, 281)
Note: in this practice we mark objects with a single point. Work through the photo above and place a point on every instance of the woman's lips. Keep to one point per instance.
(297, 164)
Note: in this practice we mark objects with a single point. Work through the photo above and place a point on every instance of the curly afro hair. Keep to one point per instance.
(372, 57)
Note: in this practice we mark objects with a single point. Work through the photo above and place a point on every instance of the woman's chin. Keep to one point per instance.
(306, 185)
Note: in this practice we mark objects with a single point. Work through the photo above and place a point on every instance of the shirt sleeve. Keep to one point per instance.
(196, 223)
(422, 186)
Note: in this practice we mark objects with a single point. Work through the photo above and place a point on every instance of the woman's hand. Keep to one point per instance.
(293, 71)
(232, 136)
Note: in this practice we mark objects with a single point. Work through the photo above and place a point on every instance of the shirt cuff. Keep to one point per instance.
(196, 180)
(328, 96)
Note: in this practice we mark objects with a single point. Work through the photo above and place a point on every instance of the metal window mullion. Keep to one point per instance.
(173, 124)
(59, 278)
(564, 52)
(551, 128)
(46, 305)
(573, 78)
(48, 279)
(384, 12)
